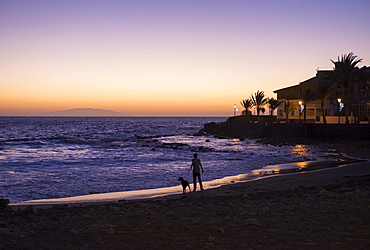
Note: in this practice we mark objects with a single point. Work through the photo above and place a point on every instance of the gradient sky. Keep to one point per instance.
(175, 57)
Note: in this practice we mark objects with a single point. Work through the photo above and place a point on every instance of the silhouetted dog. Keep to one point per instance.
(184, 184)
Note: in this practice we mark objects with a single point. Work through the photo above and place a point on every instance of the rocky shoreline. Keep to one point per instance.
(327, 136)
(289, 131)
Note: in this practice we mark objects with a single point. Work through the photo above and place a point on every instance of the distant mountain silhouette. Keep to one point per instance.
(83, 112)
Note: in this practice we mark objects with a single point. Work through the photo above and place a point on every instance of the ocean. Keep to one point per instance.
(56, 157)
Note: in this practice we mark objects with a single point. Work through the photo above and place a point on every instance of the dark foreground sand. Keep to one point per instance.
(327, 209)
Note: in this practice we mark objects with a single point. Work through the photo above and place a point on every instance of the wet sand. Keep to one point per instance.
(322, 209)
(330, 160)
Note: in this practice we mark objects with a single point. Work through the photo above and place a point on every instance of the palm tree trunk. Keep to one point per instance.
(323, 108)
(359, 87)
(304, 113)
(346, 104)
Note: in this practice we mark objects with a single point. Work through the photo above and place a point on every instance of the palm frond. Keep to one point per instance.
(273, 103)
(324, 89)
(307, 95)
(289, 106)
(247, 103)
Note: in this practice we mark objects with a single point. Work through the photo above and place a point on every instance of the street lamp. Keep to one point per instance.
(300, 110)
(339, 102)
(234, 109)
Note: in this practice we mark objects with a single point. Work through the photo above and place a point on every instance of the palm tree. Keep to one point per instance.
(273, 104)
(259, 100)
(323, 91)
(288, 107)
(247, 104)
(307, 96)
(346, 73)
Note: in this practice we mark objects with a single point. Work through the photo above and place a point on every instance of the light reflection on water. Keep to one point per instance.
(235, 144)
(301, 150)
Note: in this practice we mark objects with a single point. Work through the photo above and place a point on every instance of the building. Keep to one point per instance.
(358, 101)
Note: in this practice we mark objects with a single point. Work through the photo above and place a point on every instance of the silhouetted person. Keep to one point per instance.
(196, 165)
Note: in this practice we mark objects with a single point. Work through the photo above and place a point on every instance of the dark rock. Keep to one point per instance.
(345, 190)
(30, 210)
(114, 209)
(222, 212)
(200, 133)
(252, 222)
(212, 128)
(3, 204)
(306, 197)
(99, 207)
(222, 137)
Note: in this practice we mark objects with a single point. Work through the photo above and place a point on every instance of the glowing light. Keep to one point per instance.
(341, 106)
(301, 107)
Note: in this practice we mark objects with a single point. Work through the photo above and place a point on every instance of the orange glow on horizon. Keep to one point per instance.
(185, 58)
(31, 106)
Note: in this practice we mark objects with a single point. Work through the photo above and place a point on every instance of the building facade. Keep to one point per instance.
(358, 102)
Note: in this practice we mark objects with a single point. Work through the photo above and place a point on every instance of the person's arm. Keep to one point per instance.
(200, 164)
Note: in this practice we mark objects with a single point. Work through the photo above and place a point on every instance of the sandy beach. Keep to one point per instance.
(323, 209)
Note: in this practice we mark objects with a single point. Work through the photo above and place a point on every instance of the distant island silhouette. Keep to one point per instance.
(83, 112)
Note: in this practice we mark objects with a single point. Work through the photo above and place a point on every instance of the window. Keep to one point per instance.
(310, 112)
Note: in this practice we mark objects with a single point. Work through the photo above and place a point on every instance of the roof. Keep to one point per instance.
(275, 91)
(318, 73)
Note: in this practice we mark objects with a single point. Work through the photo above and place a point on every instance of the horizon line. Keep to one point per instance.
(114, 116)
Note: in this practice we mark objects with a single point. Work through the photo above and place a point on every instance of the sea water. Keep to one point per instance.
(55, 157)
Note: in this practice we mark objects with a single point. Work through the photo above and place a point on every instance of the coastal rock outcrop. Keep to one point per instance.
(284, 132)
(5, 210)
(3, 204)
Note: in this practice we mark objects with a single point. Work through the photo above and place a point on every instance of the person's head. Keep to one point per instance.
(195, 155)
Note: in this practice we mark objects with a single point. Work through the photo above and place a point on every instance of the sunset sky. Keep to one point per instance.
(168, 58)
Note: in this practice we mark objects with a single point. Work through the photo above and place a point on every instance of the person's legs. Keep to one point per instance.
(200, 182)
(195, 181)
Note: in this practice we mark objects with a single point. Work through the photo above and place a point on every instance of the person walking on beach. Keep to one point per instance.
(196, 165)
